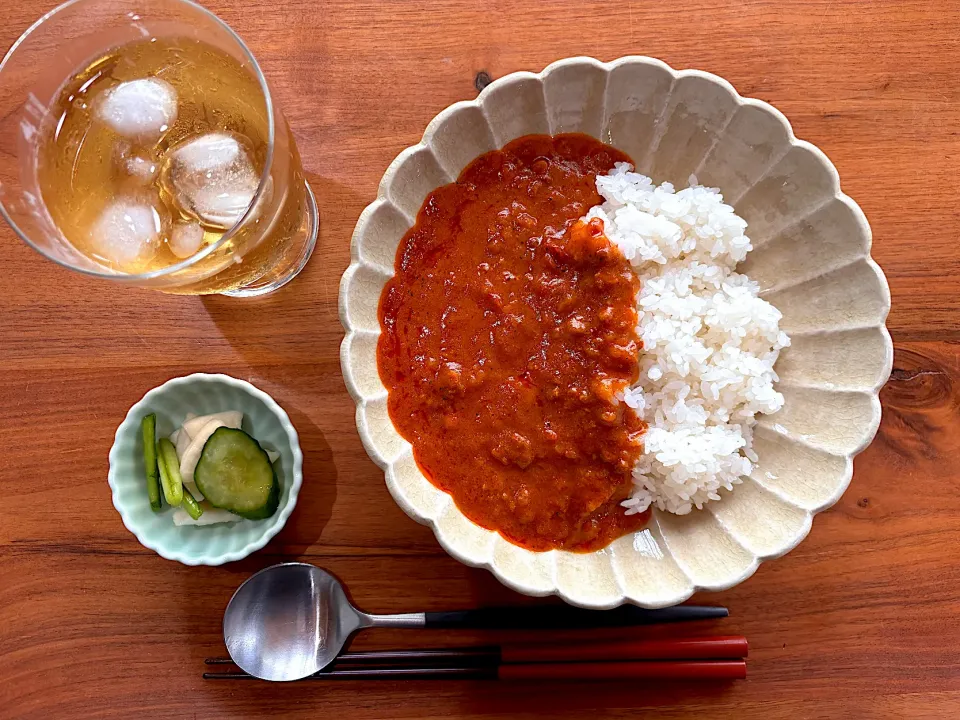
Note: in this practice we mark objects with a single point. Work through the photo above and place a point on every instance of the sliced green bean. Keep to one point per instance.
(190, 504)
(148, 428)
(170, 477)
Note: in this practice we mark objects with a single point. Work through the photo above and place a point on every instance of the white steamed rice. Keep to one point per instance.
(709, 342)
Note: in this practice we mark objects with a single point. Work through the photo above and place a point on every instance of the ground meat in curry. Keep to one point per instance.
(508, 330)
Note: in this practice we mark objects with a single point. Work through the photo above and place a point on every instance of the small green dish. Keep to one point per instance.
(202, 394)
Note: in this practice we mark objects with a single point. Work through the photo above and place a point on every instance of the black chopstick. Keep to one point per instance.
(470, 655)
(534, 617)
(488, 672)
(708, 670)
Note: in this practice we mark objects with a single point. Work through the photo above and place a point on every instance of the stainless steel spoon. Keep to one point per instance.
(289, 621)
(292, 620)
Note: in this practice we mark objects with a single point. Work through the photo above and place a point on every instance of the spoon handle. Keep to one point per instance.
(402, 620)
(560, 616)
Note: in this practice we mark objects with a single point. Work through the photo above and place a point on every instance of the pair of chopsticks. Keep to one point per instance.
(705, 658)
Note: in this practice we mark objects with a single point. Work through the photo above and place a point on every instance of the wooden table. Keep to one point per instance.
(861, 621)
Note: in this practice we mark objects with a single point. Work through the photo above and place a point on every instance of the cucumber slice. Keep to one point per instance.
(235, 474)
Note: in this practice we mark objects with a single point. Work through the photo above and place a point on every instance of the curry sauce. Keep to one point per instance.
(508, 331)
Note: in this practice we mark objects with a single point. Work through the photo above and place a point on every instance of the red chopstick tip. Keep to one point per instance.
(732, 647)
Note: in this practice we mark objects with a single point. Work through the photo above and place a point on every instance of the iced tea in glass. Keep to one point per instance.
(141, 144)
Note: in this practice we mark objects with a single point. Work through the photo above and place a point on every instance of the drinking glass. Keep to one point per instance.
(265, 248)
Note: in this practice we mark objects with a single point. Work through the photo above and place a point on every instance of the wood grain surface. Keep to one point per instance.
(862, 620)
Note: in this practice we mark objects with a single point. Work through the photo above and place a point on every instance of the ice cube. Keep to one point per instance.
(142, 169)
(140, 109)
(127, 234)
(185, 238)
(211, 178)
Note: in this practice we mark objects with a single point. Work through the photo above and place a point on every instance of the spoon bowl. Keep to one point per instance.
(292, 620)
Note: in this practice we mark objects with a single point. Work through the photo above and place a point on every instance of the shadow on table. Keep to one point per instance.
(292, 336)
(317, 493)
(315, 289)
(290, 341)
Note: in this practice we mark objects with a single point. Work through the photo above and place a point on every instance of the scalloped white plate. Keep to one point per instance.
(812, 260)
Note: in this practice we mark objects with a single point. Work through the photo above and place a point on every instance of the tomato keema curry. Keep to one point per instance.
(508, 331)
